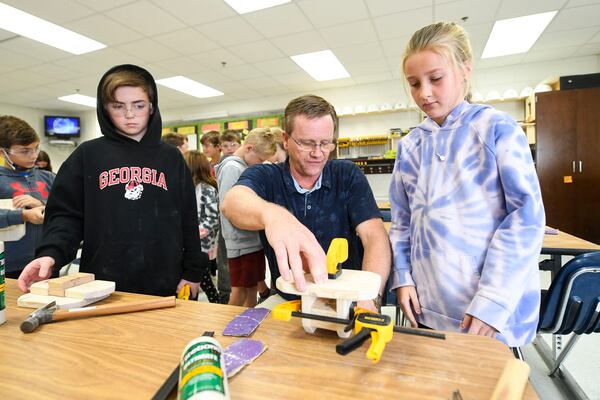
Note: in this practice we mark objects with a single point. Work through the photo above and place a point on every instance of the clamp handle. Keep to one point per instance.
(353, 342)
(336, 254)
(184, 292)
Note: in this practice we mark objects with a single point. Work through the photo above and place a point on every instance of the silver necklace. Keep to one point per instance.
(440, 157)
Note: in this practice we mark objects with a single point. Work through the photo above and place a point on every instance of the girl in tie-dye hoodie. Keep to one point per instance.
(467, 213)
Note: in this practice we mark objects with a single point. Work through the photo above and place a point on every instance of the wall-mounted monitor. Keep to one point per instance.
(61, 127)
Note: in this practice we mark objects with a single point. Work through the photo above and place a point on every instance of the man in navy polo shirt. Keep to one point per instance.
(301, 205)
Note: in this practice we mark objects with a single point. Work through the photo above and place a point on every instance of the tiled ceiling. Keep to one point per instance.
(247, 56)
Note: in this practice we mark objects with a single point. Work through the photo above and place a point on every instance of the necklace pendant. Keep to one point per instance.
(441, 157)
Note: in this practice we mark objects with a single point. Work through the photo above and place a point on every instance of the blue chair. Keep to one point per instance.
(572, 303)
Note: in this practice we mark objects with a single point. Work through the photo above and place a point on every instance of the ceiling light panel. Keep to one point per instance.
(516, 35)
(321, 65)
(80, 99)
(190, 87)
(32, 27)
(247, 6)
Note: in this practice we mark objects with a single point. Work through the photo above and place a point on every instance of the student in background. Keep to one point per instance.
(230, 141)
(246, 257)
(43, 161)
(177, 140)
(128, 196)
(26, 185)
(207, 201)
(211, 149)
(467, 214)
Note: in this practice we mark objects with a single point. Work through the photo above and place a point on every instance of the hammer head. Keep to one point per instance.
(38, 317)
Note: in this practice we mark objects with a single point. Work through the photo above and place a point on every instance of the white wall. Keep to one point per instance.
(35, 118)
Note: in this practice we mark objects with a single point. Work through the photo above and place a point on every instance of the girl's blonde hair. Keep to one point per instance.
(199, 167)
(446, 39)
(264, 140)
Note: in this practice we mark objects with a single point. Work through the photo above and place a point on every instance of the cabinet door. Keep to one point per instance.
(588, 154)
(556, 153)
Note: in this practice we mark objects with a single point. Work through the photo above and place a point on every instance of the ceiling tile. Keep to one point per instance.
(367, 51)
(181, 65)
(260, 83)
(574, 37)
(279, 21)
(99, 61)
(549, 53)
(158, 71)
(38, 50)
(520, 8)
(368, 67)
(195, 12)
(104, 29)
(578, 3)
(499, 61)
(256, 51)
(395, 47)
(588, 50)
(362, 79)
(16, 60)
(281, 66)
(148, 50)
(188, 41)
(104, 4)
(214, 58)
(300, 43)
(403, 24)
(477, 11)
(273, 91)
(580, 17)
(57, 11)
(230, 31)
(333, 12)
(298, 78)
(24, 75)
(146, 18)
(385, 7)
(241, 72)
(349, 34)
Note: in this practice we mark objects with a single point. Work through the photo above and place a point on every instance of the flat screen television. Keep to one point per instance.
(60, 127)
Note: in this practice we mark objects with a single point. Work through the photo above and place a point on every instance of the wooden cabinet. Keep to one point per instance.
(568, 160)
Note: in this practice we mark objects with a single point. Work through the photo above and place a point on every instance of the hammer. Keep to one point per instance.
(49, 313)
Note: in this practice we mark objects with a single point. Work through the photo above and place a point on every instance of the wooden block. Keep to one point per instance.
(57, 286)
(40, 288)
(351, 285)
(30, 300)
(91, 290)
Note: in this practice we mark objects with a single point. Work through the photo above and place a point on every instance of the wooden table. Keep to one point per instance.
(130, 355)
(384, 204)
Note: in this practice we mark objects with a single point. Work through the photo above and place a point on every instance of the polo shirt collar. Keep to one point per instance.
(292, 185)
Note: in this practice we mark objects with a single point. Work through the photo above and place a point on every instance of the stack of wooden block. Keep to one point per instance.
(69, 291)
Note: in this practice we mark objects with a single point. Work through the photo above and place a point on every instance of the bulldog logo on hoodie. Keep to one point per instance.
(133, 190)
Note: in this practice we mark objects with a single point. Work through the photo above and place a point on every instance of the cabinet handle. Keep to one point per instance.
(573, 166)
(580, 166)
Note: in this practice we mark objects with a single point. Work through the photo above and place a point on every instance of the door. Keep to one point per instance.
(556, 155)
(588, 164)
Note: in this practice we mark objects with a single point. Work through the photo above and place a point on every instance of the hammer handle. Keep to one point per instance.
(128, 307)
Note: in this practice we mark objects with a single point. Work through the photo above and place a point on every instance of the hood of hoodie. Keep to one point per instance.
(154, 131)
(453, 120)
(230, 159)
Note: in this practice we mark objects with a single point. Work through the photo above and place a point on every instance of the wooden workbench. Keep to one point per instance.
(130, 355)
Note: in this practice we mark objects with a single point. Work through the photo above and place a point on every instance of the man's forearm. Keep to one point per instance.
(245, 209)
(377, 252)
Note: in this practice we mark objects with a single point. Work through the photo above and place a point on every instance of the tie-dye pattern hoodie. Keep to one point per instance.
(468, 222)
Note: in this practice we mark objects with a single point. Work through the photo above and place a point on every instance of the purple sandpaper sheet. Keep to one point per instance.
(240, 354)
(246, 323)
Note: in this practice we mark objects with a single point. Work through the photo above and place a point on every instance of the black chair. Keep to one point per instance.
(572, 303)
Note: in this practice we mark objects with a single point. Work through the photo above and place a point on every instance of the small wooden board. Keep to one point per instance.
(57, 286)
(31, 300)
(91, 290)
(351, 285)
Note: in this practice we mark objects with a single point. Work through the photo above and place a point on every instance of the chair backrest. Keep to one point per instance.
(572, 303)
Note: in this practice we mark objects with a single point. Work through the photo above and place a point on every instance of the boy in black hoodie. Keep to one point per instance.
(129, 197)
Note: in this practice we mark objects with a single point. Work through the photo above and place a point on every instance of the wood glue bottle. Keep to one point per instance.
(2, 286)
(202, 371)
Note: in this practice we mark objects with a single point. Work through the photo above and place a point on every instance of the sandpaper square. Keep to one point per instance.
(246, 323)
(241, 353)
